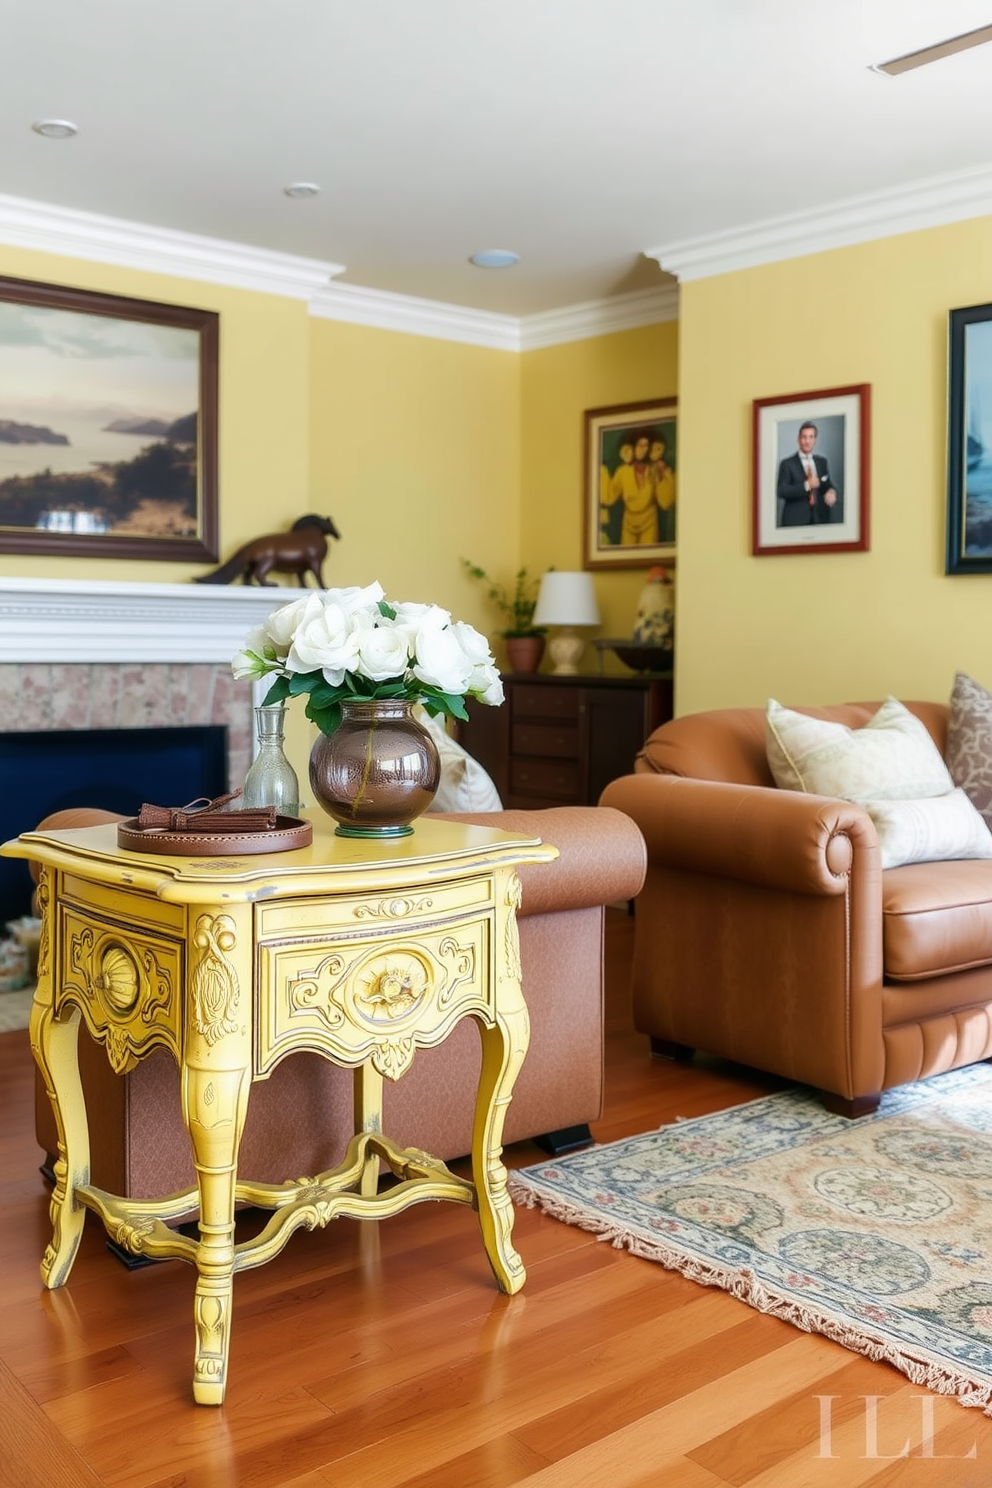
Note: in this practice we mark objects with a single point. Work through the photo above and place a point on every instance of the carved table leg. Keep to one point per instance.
(503, 1048)
(55, 1048)
(216, 1081)
(368, 1118)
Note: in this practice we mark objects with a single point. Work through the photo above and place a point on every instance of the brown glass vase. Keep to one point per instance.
(377, 772)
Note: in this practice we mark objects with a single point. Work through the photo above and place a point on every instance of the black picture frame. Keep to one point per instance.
(139, 379)
(969, 441)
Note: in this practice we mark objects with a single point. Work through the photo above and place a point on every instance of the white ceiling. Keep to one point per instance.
(580, 133)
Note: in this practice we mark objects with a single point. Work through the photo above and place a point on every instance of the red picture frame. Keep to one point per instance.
(822, 508)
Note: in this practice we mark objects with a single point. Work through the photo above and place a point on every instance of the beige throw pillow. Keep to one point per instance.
(465, 785)
(893, 758)
(930, 830)
(969, 743)
(891, 768)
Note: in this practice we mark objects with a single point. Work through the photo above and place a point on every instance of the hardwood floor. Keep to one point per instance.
(382, 1355)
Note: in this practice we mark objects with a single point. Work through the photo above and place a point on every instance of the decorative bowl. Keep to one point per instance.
(640, 656)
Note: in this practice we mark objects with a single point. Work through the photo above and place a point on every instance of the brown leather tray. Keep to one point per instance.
(289, 832)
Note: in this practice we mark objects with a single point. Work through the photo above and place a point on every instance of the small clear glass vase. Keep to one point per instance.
(271, 779)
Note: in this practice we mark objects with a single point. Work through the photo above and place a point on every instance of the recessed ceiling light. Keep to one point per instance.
(494, 258)
(301, 189)
(55, 128)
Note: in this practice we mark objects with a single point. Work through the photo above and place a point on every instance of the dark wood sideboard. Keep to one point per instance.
(558, 741)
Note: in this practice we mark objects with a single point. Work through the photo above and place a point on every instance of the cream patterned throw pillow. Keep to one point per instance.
(930, 830)
(891, 768)
(969, 743)
(893, 758)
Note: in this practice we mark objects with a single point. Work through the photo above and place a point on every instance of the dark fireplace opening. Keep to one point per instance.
(116, 769)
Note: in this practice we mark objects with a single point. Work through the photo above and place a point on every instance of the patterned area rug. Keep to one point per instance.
(876, 1233)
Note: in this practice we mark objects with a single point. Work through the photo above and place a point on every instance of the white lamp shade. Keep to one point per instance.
(566, 599)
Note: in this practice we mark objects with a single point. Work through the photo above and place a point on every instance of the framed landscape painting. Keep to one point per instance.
(108, 425)
(810, 454)
(969, 442)
(630, 488)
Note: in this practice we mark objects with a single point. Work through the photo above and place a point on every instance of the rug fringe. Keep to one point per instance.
(745, 1286)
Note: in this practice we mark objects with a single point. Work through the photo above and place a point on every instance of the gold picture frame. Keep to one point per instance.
(630, 494)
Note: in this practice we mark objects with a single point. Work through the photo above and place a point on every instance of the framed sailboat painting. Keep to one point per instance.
(969, 442)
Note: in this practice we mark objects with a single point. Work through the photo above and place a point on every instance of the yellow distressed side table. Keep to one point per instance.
(361, 951)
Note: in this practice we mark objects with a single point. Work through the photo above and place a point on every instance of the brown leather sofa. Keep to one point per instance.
(300, 1118)
(768, 933)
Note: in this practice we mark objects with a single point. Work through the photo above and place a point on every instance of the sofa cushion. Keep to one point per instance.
(936, 920)
(892, 757)
(969, 742)
(931, 830)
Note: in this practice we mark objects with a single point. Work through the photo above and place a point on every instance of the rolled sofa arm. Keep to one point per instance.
(777, 839)
(602, 858)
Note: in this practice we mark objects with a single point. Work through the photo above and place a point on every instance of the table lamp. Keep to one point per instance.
(566, 600)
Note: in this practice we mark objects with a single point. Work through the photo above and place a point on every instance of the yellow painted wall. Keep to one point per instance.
(822, 628)
(558, 384)
(263, 418)
(415, 452)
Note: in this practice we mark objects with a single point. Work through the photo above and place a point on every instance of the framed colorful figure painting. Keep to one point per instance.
(108, 425)
(630, 489)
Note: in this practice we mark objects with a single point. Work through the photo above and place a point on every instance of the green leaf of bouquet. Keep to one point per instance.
(327, 719)
(386, 610)
(278, 692)
(300, 682)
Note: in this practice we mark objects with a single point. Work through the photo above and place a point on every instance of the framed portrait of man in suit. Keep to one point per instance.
(810, 472)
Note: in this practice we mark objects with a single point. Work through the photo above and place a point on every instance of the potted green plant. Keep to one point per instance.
(524, 640)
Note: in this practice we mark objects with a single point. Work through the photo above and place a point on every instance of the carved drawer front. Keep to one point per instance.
(379, 997)
(128, 984)
(124, 905)
(371, 914)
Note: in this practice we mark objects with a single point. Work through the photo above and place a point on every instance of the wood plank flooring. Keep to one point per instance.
(383, 1356)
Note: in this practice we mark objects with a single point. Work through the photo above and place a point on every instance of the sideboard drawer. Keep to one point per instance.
(544, 702)
(557, 741)
(536, 777)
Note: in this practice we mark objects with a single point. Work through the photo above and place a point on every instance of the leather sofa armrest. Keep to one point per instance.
(602, 858)
(754, 834)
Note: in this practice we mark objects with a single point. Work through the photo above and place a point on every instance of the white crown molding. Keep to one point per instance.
(89, 621)
(159, 250)
(624, 312)
(935, 202)
(134, 245)
(396, 312)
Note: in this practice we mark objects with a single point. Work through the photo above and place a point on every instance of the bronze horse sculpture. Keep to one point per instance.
(301, 550)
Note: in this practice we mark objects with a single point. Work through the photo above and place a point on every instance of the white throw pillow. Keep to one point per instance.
(465, 785)
(892, 769)
(929, 830)
(893, 758)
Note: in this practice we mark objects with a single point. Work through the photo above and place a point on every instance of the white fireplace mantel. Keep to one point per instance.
(84, 620)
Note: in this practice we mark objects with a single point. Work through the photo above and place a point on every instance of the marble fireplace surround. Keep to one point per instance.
(80, 654)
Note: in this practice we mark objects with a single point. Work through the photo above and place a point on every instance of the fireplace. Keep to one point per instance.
(84, 657)
(115, 769)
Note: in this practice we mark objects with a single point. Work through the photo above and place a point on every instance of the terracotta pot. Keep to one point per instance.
(377, 772)
(524, 652)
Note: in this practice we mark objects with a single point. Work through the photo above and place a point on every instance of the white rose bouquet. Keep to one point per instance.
(343, 644)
